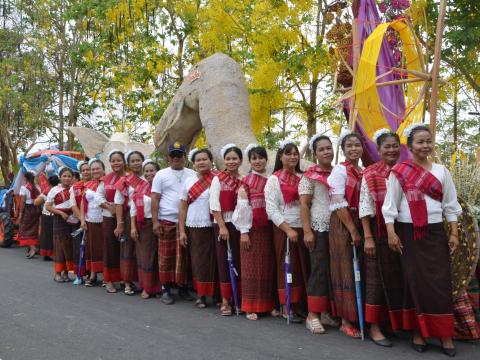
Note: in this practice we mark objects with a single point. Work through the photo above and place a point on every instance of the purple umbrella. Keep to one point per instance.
(288, 279)
(358, 289)
(81, 260)
(233, 274)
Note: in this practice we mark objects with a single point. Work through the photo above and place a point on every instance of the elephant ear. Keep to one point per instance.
(92, 141)
(111, 145)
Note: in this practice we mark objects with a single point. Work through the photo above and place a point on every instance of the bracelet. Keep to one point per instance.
(120, 222)
(368, 237)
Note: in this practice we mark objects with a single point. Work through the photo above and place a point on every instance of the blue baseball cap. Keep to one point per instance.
(176, 147)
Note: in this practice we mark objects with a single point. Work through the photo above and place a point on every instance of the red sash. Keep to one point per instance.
(415, 182)
(61, 197)
(91, 185)
(375, 176)
(78, 189)
(34, 192)
(200, 186)
(228, 191)
(255, 185)
(109, 183)
(317, 173)
(352, 187)
(142, 188)
(44, 184)
(289, 186)
(123, 184)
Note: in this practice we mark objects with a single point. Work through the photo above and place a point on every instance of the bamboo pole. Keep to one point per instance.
(437, 54)
(356, 60)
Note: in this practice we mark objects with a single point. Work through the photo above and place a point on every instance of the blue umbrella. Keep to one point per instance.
(81, 261)
(233, 274)
(288, 280)
(358, 290)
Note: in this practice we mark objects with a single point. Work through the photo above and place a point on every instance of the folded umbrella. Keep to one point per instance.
(288, 280)
(233, 276)
(358, 290)
(81, 261)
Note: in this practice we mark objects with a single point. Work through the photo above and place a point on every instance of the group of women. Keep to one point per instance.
(391, 213)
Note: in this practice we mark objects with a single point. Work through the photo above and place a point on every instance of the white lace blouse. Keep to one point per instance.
(395, 206)
(94, 211)
(320, 211)
(276, 209)
(367, 204)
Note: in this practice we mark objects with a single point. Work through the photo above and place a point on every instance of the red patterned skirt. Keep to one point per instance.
(173, 259)
(222, 264)
(319, 283)
(62, 244)
(111, 251)
(46, 235)
(147, 259)
(28, 229)
(94, 248)
(128, 260)
(204, 261)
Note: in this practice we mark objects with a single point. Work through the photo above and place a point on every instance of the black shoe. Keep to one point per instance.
(383, 342)
(421, 348)
(294, 318)
(184, 294)
(47, 258)
(167, 299)
(451, 352)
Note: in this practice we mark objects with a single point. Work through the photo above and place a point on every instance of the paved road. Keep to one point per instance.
(40, 319)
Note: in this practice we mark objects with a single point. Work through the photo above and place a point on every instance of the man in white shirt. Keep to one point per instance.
(167, 189)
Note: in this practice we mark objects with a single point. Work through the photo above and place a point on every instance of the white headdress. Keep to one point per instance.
(90, 162)
(381, 132)
(114, 151)
(191, 153)
(343, 133)
(408, 130)
(147, 161)
(60, 169)
(248, 148)
(80, 164)
(225, 148)
(284, 143)
(312, 141)
(129, 152)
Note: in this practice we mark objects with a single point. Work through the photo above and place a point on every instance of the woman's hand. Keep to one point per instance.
(292, 235)
(64, 215)
(183, 239)
(134, 234)
(242, 194)
(356, 238)
(453, 243)
(309, 240)
(118, 230)
(369, 246)
(111, 208)
(223, 233)
(83, 225)
(245, 241)
(394, 242)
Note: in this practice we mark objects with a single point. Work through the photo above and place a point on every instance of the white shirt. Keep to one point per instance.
(198, 213)
(276, 209)
(147, 207)
(28, 196)
(320, 211)
(395, 206)
(215, 189)
(337, 181)
(169, 184)
(120, 199)
(66, 204)
(94, 211)
(44, 208)
(101, 199)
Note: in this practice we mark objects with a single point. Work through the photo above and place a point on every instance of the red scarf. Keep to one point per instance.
(61, 197)
(91, 185)
(375, 177)
(255, 184)
(109, 183)
(200, 186)
(317, 173)
(78, 189)
(44, 184)
(415, 182)
(289, 186)
(228, 191)
(142, 188)
(34, 192)
(124, 183)
(352, 187)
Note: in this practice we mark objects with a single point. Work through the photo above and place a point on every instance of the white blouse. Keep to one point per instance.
(276, 209)
(44, 208)
(94, 211)
(320, 211)
(215, 188)
(66, 204)
(337, 181)
(120, 199)
(396, 207)
(101, 199)
(147, 207)
(367, 204)
(198, 213)
(28, 196)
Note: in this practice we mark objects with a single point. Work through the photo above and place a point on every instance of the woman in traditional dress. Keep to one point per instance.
(419, 194)
(46, 221)
(91, 220)
(105, 196)
(314, 203)
(383, 273)
(256, 240)
(125, 189)
(344, 231)
(283, 209)
(223, 199)
(29, 215)
(146, 243)
(196, 227)
(59, 203)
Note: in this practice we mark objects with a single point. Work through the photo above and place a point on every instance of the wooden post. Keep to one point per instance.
(437, 55)
(356, 59)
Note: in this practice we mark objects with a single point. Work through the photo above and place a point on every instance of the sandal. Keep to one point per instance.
(315, 326)
(226, 310)
(351, 331)
(129, 291)
(58, 279)
(252, 316)
(275, 313)
(200, 303)
(144, 295)
(110, 289)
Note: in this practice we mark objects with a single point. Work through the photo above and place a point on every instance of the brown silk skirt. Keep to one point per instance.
(111, 251)
(128, 260)
(319, 284)
(46, 235)
(343, 299)
(94, 248)
(147, 258)
(62, 244)
(204, 261)
(28, 228)
(428, 303)
(222, 264)
(299, 265)
(258, 271)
